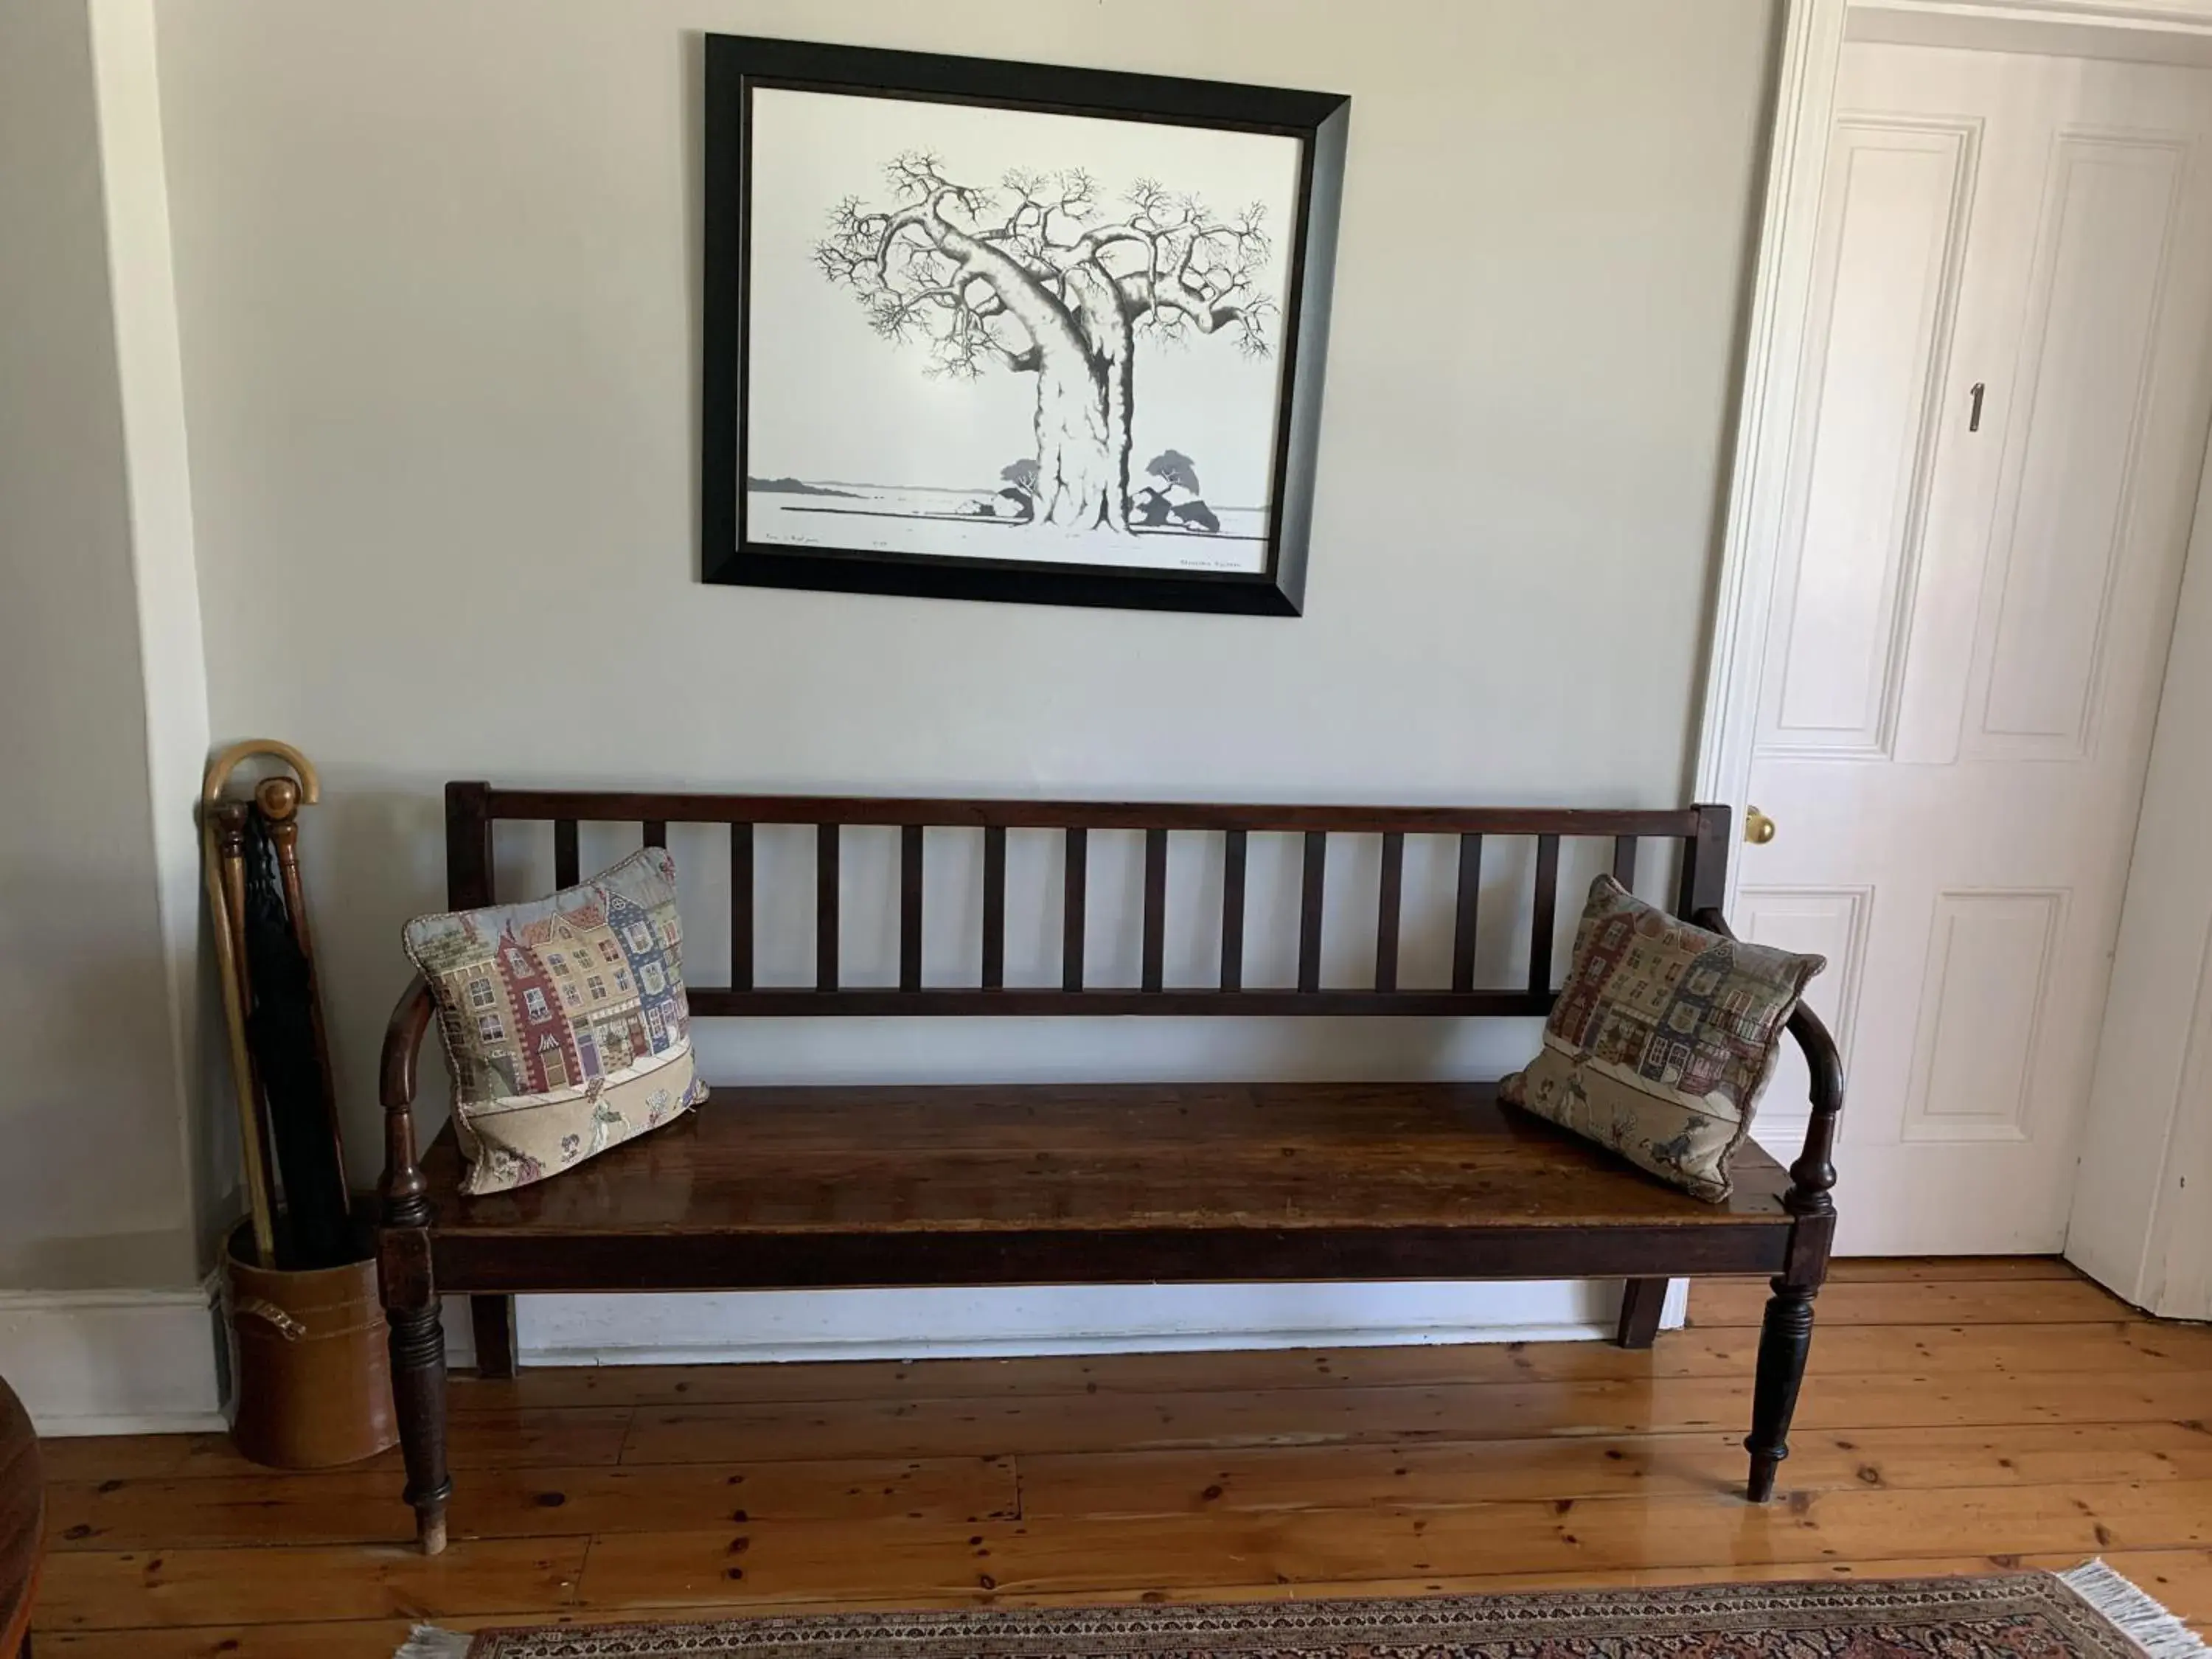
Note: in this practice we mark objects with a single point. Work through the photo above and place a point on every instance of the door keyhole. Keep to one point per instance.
(1974, 419)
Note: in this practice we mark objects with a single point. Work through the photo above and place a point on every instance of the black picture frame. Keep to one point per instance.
(735, 66)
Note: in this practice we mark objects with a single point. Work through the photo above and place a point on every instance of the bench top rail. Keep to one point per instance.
(1701, 832)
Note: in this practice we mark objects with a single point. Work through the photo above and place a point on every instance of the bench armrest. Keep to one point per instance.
(403, 1044)
(1813, 1176)
(404, 1191)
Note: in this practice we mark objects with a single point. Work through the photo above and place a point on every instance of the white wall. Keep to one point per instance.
(96, 1191)
(436, 269)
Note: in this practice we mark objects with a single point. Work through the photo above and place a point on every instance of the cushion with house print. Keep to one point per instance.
(563, 1021)
(1662, 1039)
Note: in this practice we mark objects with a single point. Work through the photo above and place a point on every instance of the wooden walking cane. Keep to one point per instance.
(226, 828)
(219, 825)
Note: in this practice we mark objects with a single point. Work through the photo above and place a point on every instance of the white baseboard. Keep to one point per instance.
(114, 1362)
(757, 1327)
(146, 1362)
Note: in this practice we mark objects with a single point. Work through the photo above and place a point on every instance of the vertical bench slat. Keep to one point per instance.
(1310, 907)
(566, 873)
(1470, 904)
(1547, 916)
(1072, 909)
(1388, 906)
(825, 907)
(1155, 908)
(910, 871)
(1624, 861)
(468, 846)
(656, 833)
(741, 907)
(1702, 884)
(1232, 910)
(994, 907)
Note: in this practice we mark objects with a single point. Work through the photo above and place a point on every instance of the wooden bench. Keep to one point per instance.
(1105, 1183)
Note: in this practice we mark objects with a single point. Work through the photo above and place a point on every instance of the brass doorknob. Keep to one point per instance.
(1757, 828)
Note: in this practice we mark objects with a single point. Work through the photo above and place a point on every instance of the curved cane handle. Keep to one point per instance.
(220, 769)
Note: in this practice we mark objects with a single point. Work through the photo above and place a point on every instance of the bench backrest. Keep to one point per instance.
(471, 810)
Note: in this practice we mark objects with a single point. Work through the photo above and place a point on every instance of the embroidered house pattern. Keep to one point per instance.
(572, 1009)
(1661, 1039)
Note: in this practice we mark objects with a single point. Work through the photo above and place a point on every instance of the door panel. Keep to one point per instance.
(1826, 921)
(1982, 1000)
(1897, 213)
(1970, 614)
(2093, 325)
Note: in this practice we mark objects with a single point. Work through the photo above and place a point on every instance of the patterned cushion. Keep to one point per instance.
(565, 1026)
(1662, 1039)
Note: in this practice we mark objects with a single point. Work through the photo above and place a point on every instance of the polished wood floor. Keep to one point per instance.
(1958, 1414)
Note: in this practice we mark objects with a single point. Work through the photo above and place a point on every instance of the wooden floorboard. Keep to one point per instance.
(1950, 1269)
(1739, 1302)
(2105, 1344)
(1959, 1414)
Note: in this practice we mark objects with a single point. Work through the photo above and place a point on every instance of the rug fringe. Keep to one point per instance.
(2133, 1613)
(428, 1642)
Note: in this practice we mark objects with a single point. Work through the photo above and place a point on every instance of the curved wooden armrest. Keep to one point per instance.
(1813, 1176)
(403, 1045)
(403, 1187)
(1822, 1060)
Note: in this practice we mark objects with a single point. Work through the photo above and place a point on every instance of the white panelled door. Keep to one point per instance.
(2003, 425)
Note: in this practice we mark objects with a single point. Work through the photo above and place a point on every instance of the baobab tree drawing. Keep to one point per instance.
(1040, 275)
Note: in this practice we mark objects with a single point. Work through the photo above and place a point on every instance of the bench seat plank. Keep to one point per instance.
(1095, 1184)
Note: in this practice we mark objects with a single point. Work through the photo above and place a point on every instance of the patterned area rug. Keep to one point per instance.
(2092, 1613)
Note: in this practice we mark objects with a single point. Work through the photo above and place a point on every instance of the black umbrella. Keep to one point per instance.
(281, 1031)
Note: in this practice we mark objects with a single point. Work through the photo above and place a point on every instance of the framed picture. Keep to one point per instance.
(992, 331)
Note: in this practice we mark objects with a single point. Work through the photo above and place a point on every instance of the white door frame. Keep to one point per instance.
(1782, 287)
(1811, 50)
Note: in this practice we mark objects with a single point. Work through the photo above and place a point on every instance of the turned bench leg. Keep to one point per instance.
(1785, 1341)
(418, 1393)
(406, 1283)
(418, 1362)
(1641, 1303)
